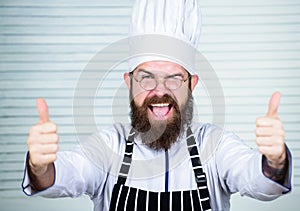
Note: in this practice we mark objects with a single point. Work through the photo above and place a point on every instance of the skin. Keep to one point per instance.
(161, 68)
(270, 134)
(43, 137)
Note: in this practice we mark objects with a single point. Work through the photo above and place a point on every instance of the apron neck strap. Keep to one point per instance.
(127, 158)
(200, 176)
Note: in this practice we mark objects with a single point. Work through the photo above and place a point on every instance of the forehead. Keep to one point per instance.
(165, 67)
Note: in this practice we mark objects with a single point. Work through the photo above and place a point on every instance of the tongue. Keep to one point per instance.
(160, 111)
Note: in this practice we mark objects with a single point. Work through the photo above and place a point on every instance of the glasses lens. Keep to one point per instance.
(148, 83)
(173, 83)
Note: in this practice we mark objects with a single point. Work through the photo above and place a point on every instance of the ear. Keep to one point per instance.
(126, 77)
(194, 81)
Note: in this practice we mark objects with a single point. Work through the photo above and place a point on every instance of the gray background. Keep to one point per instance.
(44, 45)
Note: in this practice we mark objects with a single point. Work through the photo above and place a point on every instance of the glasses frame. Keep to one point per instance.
(157, 81)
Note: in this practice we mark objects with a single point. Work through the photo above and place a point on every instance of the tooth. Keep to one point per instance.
(160, 104)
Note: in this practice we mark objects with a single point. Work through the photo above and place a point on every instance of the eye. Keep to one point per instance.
(175, 77)
(147, 77)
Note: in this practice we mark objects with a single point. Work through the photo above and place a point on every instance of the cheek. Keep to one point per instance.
(181, 95)
(138, 95)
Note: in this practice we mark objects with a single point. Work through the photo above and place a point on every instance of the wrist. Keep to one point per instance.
(275, 172)
(35, 170)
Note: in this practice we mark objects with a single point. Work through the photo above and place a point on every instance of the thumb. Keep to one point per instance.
(43, 110)
(273, 105)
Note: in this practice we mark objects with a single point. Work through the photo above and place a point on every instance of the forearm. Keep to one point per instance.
(40, 179)
(275, 172)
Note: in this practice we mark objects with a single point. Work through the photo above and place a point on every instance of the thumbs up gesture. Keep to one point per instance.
(270, 134)
(42, 141)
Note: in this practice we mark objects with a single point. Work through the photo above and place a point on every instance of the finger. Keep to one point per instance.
(44, 149)
(263, 122)
(40, 160)
(273, 105)
(45, 128)
(264, 131)
(269, 141)
(264, 141)
(268, 122)
(44, 139)
(42, 110)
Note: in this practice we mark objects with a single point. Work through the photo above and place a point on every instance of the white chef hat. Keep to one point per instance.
(165, 30)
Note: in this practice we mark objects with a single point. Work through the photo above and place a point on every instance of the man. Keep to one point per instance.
(160, 166)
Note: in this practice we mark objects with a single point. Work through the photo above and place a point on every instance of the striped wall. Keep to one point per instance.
(253, 46)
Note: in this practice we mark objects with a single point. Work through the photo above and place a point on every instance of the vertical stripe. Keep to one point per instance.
(136, 200)
(147, 200)
(153, 201)
(176, 201)
(120, 190)
(171, 207)
(167, 171)
(186, 201)
(158, 204)
(128, 192)
(122, 198)
(141, 201)
(165, 201)
(196, 200)
(191, 196)
(131, 202)
(181, 198)
(114, 197)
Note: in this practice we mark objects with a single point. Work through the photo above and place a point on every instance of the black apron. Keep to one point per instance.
(133, 199)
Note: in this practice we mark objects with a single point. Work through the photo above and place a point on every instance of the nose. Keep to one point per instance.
(160, 90)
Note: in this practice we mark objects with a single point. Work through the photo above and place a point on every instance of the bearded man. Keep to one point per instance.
(154, 163)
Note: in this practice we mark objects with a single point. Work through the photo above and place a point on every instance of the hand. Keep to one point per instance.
(42, 141)
(270, 135)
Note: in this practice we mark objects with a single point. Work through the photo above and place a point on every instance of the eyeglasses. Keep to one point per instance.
(149, 81)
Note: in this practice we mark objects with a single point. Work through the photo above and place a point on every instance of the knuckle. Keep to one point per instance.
(259, 120)
(53, 126)
(53, 157)
(278, 150)
(55, 138)
(55, 148)
(258, 141)
(278, 124)
(281, 132)
(33, 159)
(29, 141)
(33, 130)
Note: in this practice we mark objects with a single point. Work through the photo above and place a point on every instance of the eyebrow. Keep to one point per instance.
(145, 71)
(168, 76)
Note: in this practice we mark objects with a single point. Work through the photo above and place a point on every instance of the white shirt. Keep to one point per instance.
(230, 166)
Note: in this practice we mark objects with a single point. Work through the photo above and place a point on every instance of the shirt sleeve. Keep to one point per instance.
(86, 169)
(74, 175)
(240, 170)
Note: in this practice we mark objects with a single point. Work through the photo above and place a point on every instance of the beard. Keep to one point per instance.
(161, 134)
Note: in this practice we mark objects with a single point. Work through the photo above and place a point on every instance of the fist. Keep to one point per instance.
(270, 134)
(42, 141)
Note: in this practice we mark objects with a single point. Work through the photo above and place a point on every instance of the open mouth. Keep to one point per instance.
(161, 109)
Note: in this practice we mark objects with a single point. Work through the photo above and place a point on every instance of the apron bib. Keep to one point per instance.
(133, 199)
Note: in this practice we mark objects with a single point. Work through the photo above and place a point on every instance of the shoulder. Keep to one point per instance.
(105, 143)
(111, 136)
(213, 139)
(204, 132)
